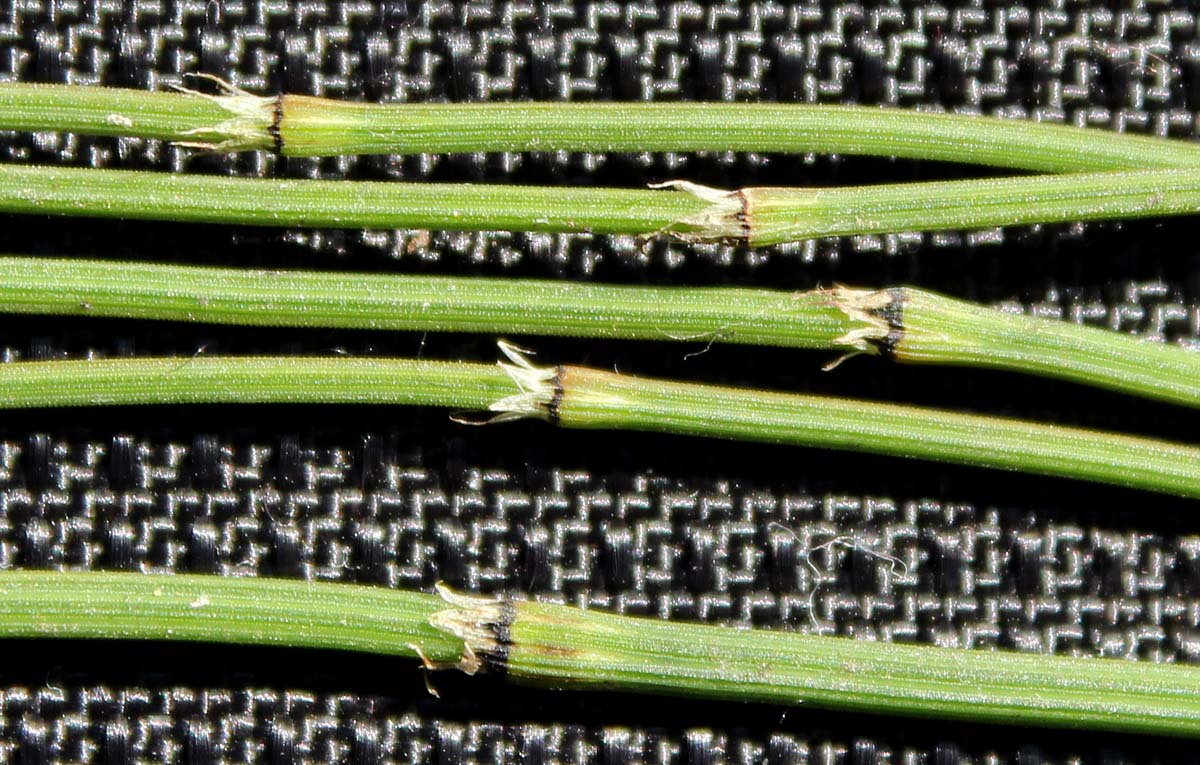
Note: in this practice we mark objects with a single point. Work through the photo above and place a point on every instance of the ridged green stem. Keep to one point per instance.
(235, 120)
(757, 216)
(290, 298)
(553, 645)
(252, 380)
(141, 195)
(316, 126)
(596, 399)
(779, 215)
(576, 397)
(168, 116)
(221, 609)
(564, 647)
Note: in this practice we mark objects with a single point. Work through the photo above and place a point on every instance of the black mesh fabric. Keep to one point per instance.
(654, 525)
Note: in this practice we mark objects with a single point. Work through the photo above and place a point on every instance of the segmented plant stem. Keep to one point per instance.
(577, 397)
(905, 324)
(251, 380)
(420, 303)
(222, 609)
(565, 647)
(219, 122)
(315, 126)
(301, 126)
(349, 204)
(754, 216)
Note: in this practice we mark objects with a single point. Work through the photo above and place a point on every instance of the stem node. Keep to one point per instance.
(869, 310)
(723, 220)
(481, 623)
(252, 123)
(539, 387)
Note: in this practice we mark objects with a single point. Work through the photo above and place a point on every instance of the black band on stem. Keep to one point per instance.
(893, 314)
(275, 128)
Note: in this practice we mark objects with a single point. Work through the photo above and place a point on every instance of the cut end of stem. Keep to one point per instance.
(251, 126)
(480, 623)
(722, 220)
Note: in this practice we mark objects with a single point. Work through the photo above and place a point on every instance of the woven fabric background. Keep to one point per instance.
(653, 525)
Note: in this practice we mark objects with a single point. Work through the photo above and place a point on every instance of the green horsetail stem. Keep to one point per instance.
(564, 647)
(303, 126)
(577, 397)
(677, 210)
(905, 324)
